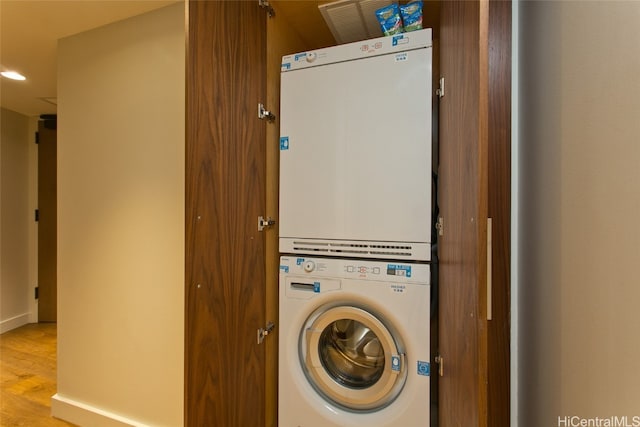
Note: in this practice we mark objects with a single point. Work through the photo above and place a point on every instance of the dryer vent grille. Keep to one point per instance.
(353, 20)
(361, 249)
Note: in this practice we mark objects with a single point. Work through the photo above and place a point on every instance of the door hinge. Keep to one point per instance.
(263, 223)
(266, 6)
(263, 332)
(37, 137)
(440, 90)
(440, 226)
(37, 215)
(36, 293)
(264, 114)
(440, 361)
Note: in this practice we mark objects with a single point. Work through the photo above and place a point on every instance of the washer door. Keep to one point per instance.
(351, 358)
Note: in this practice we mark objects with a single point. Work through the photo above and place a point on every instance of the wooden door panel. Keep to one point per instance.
(48, 221)
(463, 206)
(225, 194)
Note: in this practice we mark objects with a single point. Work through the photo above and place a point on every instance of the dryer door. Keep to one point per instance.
(352, 359)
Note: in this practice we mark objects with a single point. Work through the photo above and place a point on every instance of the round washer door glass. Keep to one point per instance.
(351, 358)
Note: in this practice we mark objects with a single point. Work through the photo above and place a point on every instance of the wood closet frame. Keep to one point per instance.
(233, 56)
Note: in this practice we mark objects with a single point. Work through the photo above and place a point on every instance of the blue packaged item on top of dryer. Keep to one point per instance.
(412, 16)
(390, 20)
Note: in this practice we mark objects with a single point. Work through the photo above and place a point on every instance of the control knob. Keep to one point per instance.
(309, 266)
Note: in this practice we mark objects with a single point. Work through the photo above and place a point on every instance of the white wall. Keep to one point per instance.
(121, 222)
(579, 210)
(16, 220)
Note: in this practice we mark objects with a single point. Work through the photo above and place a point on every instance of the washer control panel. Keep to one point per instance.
(355, 269)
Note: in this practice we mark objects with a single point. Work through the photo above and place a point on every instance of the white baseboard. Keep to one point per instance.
(13, 323)
(85, 415)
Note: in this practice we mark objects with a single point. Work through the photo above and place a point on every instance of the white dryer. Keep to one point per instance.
(356, 149)
(354, 343)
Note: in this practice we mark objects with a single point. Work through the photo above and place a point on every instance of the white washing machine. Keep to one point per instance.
(354, 343)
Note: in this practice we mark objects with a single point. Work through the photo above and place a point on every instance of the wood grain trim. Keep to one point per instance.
(483, 189)
(500, 210)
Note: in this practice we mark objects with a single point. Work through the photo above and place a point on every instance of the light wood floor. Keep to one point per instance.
(28, 376)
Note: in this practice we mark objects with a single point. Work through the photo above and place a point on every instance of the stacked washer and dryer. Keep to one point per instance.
(355, 234)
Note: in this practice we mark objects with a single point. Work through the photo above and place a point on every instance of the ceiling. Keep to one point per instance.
(29, 31)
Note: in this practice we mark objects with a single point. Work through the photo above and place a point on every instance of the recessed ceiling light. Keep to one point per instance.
(13, 75)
